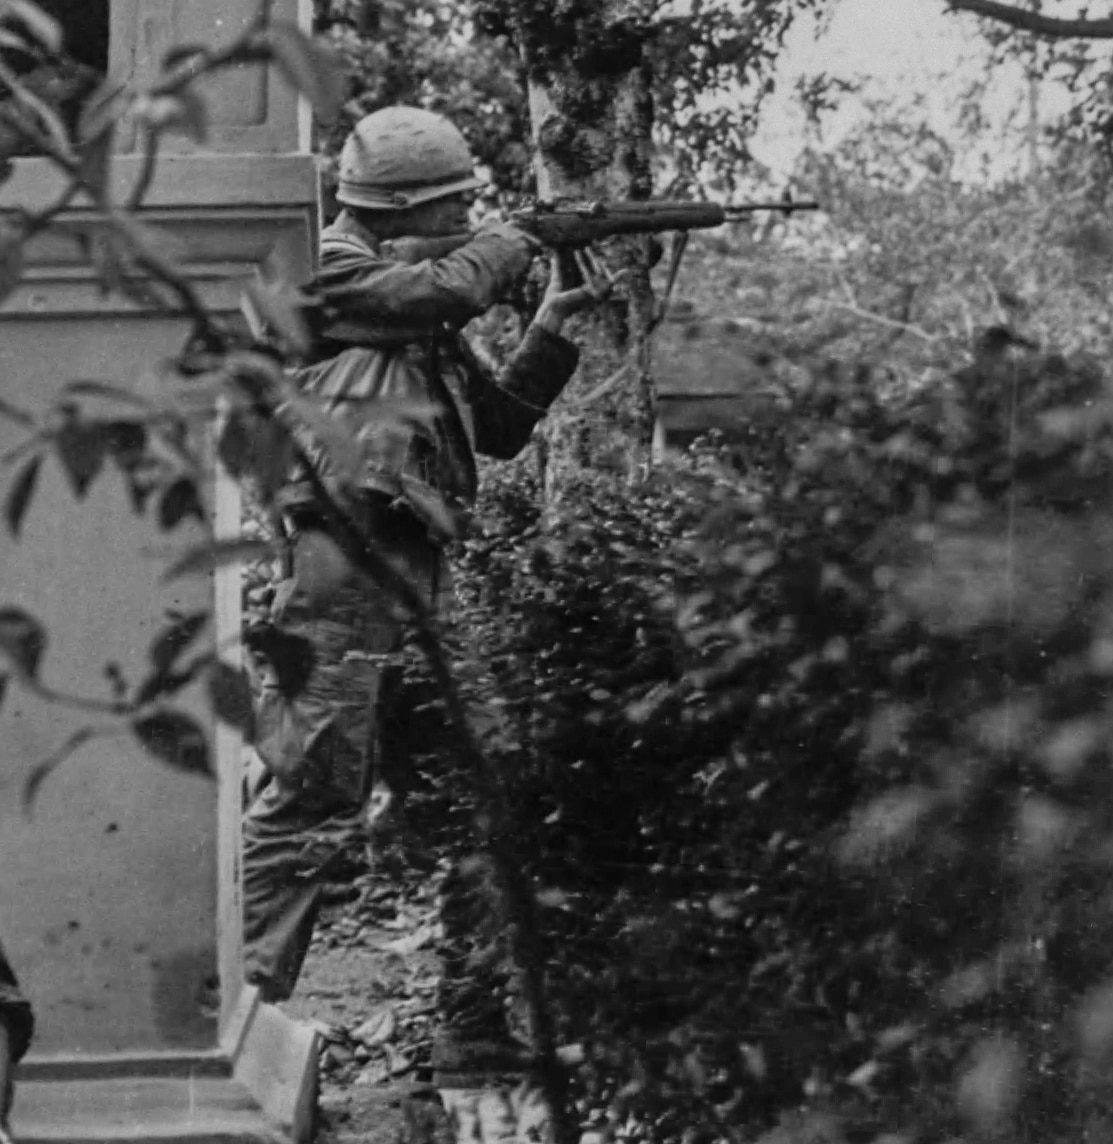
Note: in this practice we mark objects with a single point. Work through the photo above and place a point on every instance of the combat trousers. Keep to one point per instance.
(323, 750)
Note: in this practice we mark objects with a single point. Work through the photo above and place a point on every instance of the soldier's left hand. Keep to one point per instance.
(597, 284)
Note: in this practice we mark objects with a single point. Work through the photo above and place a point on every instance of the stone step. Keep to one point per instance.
(144, 1110)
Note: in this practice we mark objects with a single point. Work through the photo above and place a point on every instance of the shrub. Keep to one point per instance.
(809, 760)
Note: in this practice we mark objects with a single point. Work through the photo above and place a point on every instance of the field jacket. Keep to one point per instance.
(394, 343)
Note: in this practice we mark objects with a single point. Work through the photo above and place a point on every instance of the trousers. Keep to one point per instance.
(323, 751)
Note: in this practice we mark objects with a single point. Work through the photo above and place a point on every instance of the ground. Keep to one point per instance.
(368, 985)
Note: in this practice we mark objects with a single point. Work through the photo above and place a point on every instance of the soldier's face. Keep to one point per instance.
(449, 215)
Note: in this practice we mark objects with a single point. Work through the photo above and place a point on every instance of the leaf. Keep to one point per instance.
(169, 644)
(430, 508)
(322, 567)
(216, 554)
(230, 694)
(126, 441)
(106, 390)
(42, 771)
(341, 449)
(312, 69)
(1094, 1018)
(411, 943)
(181, 54)
(176, 739)
(281, 309)
(377, 1072)
(22, 641)
(183, 112)
(379, 1028)
(888, 826)
(256, 446)
(40, 26)
(989, 1088)
(14, 413)
(291, 657)
(81, 450)
(13, 42)
(102, 110)
(233, 446)
(11, 260)
(160, 684)
(96, 159)
(23, 488)
(179, 501)
(193, 121)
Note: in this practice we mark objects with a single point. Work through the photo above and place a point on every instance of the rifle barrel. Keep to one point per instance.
(786, 206)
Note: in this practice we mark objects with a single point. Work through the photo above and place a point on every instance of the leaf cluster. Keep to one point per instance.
(806, 737)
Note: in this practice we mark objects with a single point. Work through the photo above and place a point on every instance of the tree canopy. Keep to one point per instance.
(711, 63)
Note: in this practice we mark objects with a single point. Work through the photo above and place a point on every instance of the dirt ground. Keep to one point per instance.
(368, 986)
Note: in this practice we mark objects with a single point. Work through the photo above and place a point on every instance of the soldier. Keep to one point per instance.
(406, 184)
(16, 1027)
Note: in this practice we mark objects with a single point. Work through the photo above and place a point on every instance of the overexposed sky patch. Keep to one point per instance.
(903, 50)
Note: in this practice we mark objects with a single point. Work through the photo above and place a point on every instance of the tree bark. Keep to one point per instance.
(591, 114)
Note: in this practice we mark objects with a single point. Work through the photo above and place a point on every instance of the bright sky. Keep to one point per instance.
(905, 48)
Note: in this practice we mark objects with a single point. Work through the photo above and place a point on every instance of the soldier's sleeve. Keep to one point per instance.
(505, 409)
(15, 1011)
(452, 289)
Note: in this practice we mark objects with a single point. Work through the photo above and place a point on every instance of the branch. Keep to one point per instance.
(1051, 27)
(603, 387)
(904, 327)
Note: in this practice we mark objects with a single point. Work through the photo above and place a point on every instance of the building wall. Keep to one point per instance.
(119, 900)
(109, 886)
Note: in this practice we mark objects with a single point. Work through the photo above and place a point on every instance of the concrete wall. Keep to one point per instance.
(110, 888)
(119, 898)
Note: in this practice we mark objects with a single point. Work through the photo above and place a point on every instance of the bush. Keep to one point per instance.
(810, 760)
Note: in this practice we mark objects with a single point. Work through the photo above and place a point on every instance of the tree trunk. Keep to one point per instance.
(592, 112)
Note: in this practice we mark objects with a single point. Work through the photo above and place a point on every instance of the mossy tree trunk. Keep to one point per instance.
(591, 111)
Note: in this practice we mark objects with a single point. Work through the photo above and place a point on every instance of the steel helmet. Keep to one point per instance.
(401, 156)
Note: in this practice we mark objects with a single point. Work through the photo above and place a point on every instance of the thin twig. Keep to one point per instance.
(891, 323)
(146, 177)
(603, 388)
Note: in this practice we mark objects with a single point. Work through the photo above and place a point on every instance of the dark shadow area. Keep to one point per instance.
(64, 85)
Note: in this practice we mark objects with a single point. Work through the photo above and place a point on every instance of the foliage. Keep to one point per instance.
(908, 260)
(711, 65)
(429, 54)
(1061, 44)
(813, 781)
(96, 428)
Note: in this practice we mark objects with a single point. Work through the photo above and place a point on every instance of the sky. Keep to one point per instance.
(903, 48)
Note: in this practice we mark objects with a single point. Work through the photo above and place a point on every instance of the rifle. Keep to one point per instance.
(576, 224)
(569, 225)
(564, 225)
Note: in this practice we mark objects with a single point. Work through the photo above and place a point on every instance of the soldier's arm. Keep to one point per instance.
(507, 408)
(452, 289)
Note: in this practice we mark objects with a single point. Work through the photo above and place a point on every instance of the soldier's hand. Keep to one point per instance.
(597, 284)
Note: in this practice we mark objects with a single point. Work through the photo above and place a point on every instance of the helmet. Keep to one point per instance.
(401, 156)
